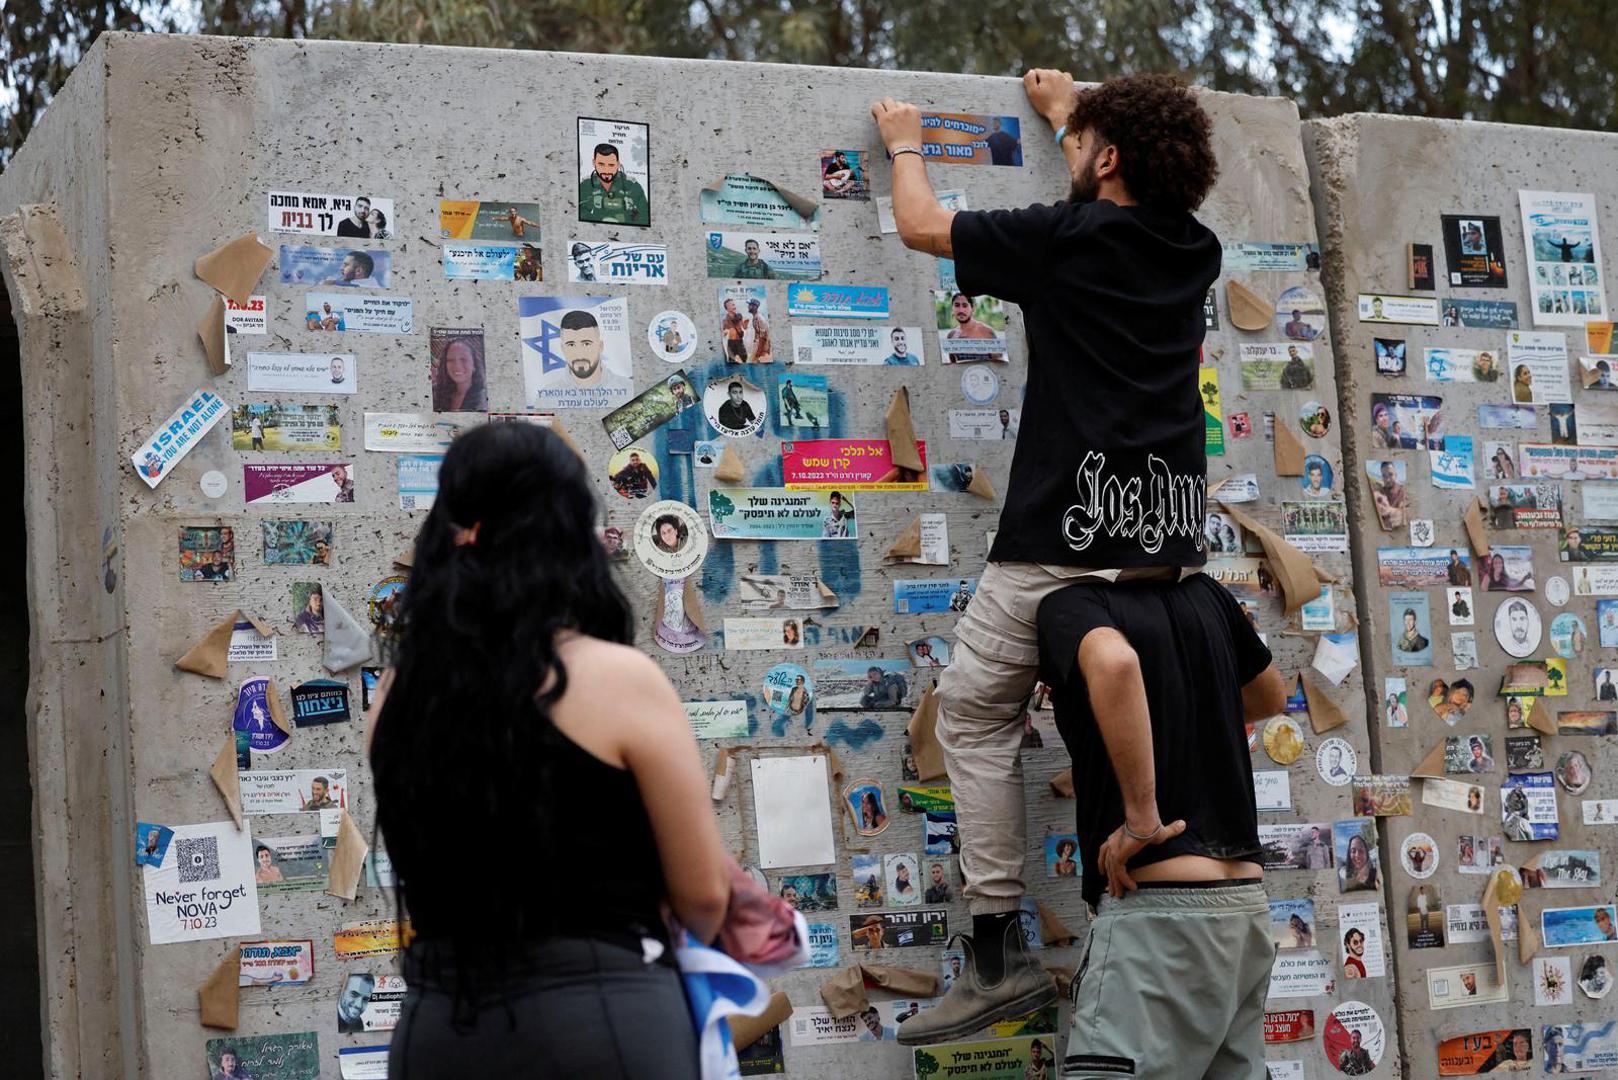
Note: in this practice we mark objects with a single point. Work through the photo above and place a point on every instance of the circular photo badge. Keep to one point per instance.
(1283, 739)
(633, 472)
(1353, 1038)
(1517, 627)
(1556, 591)
(1299, 314)
(674, 630)
(1315, 419)
(1419, 855)
(670, 539)
(1568, 635)
(672, 336)
(734, 406)
(1336, 762)
(383, 603)
(867, 802)
(254, 720)
(1573, 772)
(979, 384)
(788, 689)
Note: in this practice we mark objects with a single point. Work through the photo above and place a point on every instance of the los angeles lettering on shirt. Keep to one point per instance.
(1173, 505)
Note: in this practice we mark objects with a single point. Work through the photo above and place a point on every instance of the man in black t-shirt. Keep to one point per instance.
(1108, 479)
(1188, 772)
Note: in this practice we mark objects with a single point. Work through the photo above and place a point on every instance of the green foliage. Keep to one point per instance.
(926, 1065)
(720, 506)
(1519, 61)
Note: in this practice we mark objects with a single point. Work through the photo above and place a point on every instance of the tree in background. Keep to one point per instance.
(1520, 61)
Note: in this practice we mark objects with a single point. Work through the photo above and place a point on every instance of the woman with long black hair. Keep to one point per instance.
(517, 718)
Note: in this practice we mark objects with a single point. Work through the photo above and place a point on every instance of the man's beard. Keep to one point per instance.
(589, 367)
(606, 181)
(1086, 186)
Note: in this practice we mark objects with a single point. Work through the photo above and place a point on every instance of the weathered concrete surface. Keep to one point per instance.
(53, 260)
(193, 132)
(1380, 183)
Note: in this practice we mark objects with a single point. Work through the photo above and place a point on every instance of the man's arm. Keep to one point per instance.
(1052, 95)
(1126, 730)
(923, 223)
(1265, 696)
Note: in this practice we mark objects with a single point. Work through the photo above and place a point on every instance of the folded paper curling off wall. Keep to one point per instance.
(234, 268)
(729, 469)
(210, 655)
(923, 732)
(902, 432)
(1300, 579)
(1248, 310)
(908, 545)
(220, 995)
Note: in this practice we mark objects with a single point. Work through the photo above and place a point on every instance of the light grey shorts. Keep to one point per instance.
(1172, 986)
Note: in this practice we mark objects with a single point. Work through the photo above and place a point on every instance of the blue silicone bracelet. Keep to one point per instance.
(1061, 133)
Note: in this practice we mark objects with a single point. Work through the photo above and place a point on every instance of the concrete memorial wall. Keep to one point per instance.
(161, 150)
(1501, 718)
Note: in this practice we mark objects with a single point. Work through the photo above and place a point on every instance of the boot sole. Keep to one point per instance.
(1014, 1008)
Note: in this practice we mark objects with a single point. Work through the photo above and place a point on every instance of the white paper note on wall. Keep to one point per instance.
(792, 808)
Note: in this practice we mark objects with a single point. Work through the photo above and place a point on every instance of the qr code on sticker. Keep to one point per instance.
(620, 437)
(806, 355)
(407, 502)
(199, 859)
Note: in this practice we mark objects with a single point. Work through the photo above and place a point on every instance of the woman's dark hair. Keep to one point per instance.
(1163, 136)
(464, 743)
(444, 386)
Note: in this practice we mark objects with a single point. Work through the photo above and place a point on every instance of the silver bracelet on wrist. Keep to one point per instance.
(897, 150)
(1135, 836)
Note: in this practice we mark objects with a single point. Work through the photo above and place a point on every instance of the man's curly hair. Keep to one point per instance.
(1165, 153)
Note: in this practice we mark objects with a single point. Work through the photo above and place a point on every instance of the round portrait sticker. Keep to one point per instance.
(1419, 855)
(1353, 1038)
(1336, 762)
(788, 689)
(1517, 627)
(734, 406)
(1573, 772)
(383, 602)
(1299, 314)
(1283, 739)
(672, 336)
(1556, 591)
(868, 804)
(1315, 419)
(674, 630)
(670, 539)
(1317, 477)
(979, 384)
(633, 472)
(1568, 635)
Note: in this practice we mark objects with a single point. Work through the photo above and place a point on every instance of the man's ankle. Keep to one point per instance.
(990, 932)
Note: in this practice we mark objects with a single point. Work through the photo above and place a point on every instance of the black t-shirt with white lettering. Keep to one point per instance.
(1197, 650)
(1110, 468)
